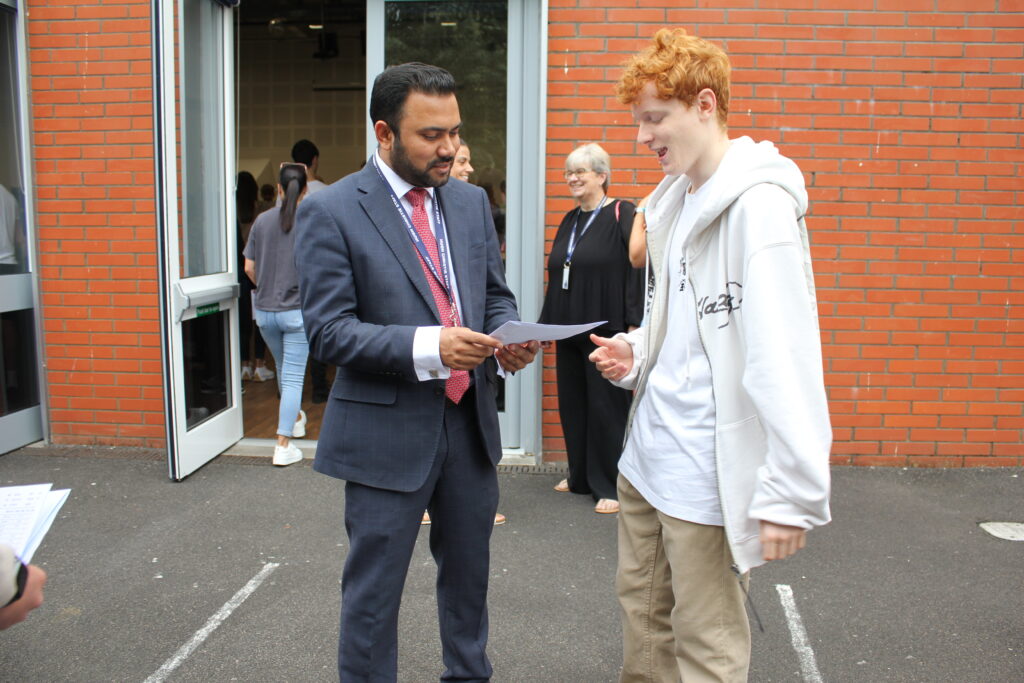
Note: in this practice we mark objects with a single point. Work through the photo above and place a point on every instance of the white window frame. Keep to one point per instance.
(31, 424)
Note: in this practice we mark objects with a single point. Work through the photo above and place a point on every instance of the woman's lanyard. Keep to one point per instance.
(444, 276)
(573, 239)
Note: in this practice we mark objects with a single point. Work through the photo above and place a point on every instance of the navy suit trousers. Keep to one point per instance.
(461, 494)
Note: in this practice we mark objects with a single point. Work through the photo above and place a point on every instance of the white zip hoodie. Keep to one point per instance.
(749, 268)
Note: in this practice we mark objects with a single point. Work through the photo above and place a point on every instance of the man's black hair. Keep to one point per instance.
(392, 87)
(303, 152)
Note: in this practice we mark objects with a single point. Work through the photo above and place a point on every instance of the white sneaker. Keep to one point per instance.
(246, 372)
(262, 374)
(299, 430)
(286, 455)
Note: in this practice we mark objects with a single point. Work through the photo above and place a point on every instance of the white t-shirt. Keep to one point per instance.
(670, 454)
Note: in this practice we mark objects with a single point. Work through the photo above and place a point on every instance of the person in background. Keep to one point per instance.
(726, 465)
(637, 239)
(589, 279)
(270, 264)
(249, 338)
(12, 239)
(21, 588)
(268, 197)
(638, 250)
(305, 152)
(461, 168)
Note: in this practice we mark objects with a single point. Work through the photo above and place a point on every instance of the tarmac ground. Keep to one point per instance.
(233, 575)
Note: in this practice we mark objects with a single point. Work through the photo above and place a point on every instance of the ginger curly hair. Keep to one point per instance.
(680, 66)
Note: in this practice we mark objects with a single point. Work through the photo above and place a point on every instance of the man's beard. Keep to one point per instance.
(401, 165)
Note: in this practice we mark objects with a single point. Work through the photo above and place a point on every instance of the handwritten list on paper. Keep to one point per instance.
(26, 513)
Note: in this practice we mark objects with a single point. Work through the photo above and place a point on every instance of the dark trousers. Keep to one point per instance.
(318, 377)
(461, 494)
(247, 328)
(593, 414)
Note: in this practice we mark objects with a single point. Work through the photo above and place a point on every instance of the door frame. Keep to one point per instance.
(30, 424)
(524, 242)
(185, 298)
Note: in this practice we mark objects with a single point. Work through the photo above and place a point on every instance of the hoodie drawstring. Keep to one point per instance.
(686, 270)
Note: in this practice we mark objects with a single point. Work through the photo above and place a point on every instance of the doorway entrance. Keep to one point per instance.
(302, 71)
(300, 75)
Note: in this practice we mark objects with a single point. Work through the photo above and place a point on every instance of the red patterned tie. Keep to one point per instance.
(458, 382)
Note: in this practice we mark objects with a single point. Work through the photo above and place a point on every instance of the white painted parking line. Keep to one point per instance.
(1008, 531)
(216, 620)
(797, 634)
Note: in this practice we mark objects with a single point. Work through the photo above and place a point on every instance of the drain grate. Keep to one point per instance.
(1008, 531)
(534, 469)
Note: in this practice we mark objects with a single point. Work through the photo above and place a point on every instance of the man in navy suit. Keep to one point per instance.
(400, 276)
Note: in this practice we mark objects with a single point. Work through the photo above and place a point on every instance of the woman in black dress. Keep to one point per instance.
(589, 279)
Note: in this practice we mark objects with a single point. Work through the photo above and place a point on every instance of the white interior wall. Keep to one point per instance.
(279, 101)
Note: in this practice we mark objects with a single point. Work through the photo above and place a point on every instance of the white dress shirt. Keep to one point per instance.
(426, 347)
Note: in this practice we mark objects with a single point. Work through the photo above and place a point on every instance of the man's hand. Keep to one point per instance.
(613, 357)
(780, 541)
(517, 356)
(464, 349)
(31, 598)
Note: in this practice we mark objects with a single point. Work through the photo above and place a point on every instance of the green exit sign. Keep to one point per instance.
(208, 309)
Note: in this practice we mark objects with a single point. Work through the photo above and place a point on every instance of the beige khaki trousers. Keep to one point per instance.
(682, 605)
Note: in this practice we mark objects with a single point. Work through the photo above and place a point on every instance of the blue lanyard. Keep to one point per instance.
(444, 278)
(572, 235)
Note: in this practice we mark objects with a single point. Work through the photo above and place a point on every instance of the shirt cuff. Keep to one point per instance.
(426, 354)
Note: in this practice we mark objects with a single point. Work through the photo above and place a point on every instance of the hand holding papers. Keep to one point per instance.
(515, 332)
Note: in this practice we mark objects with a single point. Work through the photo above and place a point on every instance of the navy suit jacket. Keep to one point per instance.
(364, 293)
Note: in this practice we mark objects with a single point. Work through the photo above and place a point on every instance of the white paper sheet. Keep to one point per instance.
(54, 501)
(515, 332)
(26, 513)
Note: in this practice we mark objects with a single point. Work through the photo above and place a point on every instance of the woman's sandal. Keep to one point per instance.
(562, 486)
(606, 506)
(498, 519)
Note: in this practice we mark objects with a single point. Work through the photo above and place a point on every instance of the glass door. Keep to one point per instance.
(487, 48)
(199, 281)
(21, 418)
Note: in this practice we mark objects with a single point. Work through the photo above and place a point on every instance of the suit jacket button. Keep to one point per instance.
(438, 391)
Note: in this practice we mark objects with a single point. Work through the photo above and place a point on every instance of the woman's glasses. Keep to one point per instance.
(579, 173)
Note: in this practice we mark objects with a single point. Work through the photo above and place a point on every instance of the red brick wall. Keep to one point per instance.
(92, 123)
(907, 122)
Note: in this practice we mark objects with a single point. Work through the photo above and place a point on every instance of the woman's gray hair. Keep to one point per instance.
(592, 156)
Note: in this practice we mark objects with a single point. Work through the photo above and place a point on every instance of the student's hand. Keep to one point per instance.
(780, 541)
(517, 356)
(613, 357)
(31, 598)
(463, 349)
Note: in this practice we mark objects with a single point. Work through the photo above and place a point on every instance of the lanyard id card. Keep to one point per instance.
(573, 240)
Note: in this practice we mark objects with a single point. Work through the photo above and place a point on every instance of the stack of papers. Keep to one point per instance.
(26, 513)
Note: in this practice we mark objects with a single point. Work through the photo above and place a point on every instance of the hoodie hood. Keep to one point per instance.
(746, 163)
